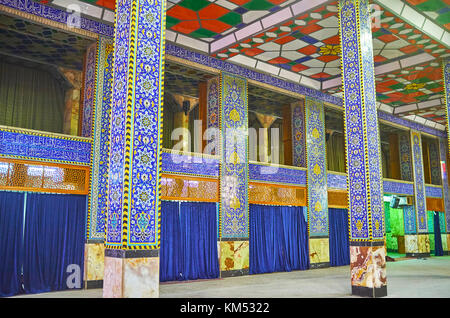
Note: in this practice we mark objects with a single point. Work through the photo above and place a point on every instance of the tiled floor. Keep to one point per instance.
(416, 278)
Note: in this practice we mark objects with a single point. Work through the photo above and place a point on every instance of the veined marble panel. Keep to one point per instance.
(423, 243)
(94, 259)
(234, 255)
(141, 277)
(411, 245)
(319, 250)
(368, 266)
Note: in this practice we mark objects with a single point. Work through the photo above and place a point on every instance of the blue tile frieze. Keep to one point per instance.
(276, 174)
(16, 144)
(336, 181)
(58, 15)
(433, 192)
(190, 164)
(393, 187)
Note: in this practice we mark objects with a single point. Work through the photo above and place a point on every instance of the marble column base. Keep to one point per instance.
(131, 274)
(368, 269)
(319, 252)
(234, 257)
(94, 258)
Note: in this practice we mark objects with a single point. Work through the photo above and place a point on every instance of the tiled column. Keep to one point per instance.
(316, 164)
(446, 77)
(364, 179)
(405, 156)
(234, 220)
(133, 218)
(211, 134)
(446, 194)
(420, 204)
(85, 123)
(298, 133)
(94, 249)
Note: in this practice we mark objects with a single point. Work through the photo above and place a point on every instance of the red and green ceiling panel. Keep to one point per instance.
(203, 19)
(308, 44)
(436, 10)
(410, 85)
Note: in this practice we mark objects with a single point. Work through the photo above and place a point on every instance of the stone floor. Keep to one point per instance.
(411, 278)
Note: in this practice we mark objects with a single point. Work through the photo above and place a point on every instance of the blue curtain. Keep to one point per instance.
(11, 229)
(278, 239)
(339, 237)
(54, 239)
(188, 241)
(438, 250)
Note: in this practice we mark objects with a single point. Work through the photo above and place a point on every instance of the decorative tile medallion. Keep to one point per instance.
(29, 145)
(317, 168)
(419, 181)
(234, 157)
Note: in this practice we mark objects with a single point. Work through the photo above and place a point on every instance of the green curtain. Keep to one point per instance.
(336, 152)
(31, 98)
(193, 115)
(167, 124)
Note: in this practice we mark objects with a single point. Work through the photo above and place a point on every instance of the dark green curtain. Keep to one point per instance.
(193, 115)
(336, 152)
(31, 98)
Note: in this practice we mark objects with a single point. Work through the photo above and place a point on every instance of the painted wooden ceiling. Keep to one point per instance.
(298, 40)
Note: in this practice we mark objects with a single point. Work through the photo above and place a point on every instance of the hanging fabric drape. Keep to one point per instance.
(54, 239)
(278, 239)
(438, 250)
(188, 241)
(339, 237)
(11, 229)
(31, 98)
(336, 152)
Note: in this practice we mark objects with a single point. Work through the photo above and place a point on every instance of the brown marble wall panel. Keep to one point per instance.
(368, 266)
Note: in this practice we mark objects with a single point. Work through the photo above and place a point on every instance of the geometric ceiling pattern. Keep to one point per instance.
(209, 20)
(298, 40)
(307, 45)
(437, 10)
(35, 42)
